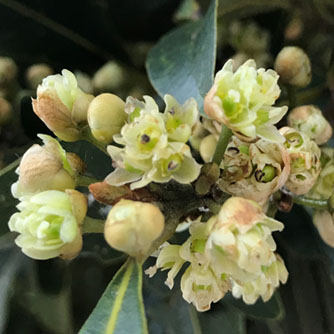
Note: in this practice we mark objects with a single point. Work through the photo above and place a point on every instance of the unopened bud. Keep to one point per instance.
(323, 221)
(8, 71)
(62, 105)
(310, 120)
(5, 111)
(132, 227)
(294, 66)
(109, 77)
(207, 147)
(106, 117)
(47, 167)
(36, 73)
(84, 82)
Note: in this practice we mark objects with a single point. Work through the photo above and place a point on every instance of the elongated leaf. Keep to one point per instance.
(272, 309)
(120, 309)
(182, 62)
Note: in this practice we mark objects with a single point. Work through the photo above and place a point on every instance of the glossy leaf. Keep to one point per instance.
(182, 62)
(120, 309)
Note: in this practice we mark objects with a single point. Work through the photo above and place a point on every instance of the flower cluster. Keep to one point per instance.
(232, 251)
(154, 144)
(243, 101)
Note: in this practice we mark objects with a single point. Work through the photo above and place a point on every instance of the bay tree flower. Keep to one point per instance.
(106, 116)
(254, 170)
(47, 167)
(180, 119)
(294, 66)
(264, 285)
(62, 105)
(132, 227)
(36, 73)
(324, 185)
(324, 222)
(49, 224)
(243, 101)
(202, 287)
(148, 153)
(240, 241)
(310, 120)
(304, 161)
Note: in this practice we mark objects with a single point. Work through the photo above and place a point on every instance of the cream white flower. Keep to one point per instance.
(264, 285)
(202, 287)
(254, 171)
(304, 161)
(49, 224)
(310, 120)
(243, 101)
(46, 167)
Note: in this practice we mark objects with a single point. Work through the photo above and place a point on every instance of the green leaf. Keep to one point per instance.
(272, 309)
(7, 202)
(182, 62)
(243, 8)
(120, 309)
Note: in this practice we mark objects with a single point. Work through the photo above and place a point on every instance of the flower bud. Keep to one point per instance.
(5, 111)
(8, 71)
(243, 101)
(106, 117)
(207, 147)
(304, 161)
(62, 105)
(49, 224)
(46, 167)
(324, 222)
(293, 66)
(310, 120)
(36, 73)
(109, 77)
(132, 227)
(84, 82)
(254, 171)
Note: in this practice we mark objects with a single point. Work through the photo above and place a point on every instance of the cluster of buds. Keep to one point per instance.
(254, 171)
(304, 161)
(243, 101)
(154, 144)
(232, 251)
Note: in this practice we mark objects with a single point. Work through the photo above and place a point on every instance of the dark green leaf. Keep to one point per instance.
(182, 62)
(272, 309)
(120, 309)
(241, 8)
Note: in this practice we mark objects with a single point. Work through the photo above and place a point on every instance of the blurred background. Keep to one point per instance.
(105, 43)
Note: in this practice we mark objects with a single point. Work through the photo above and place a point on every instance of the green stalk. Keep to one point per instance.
(86, 134)
(92, 225)
(311, 202)
(85, 181)
(224, 139)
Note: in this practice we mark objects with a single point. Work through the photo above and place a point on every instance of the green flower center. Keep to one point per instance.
(267, 174)
(147, 139)
(293, 140)
(170, 165)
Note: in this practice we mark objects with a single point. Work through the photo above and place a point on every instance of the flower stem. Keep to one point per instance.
(224, 138)
(311, 202)
(86, 134)
(92, 225)
(85, 181)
